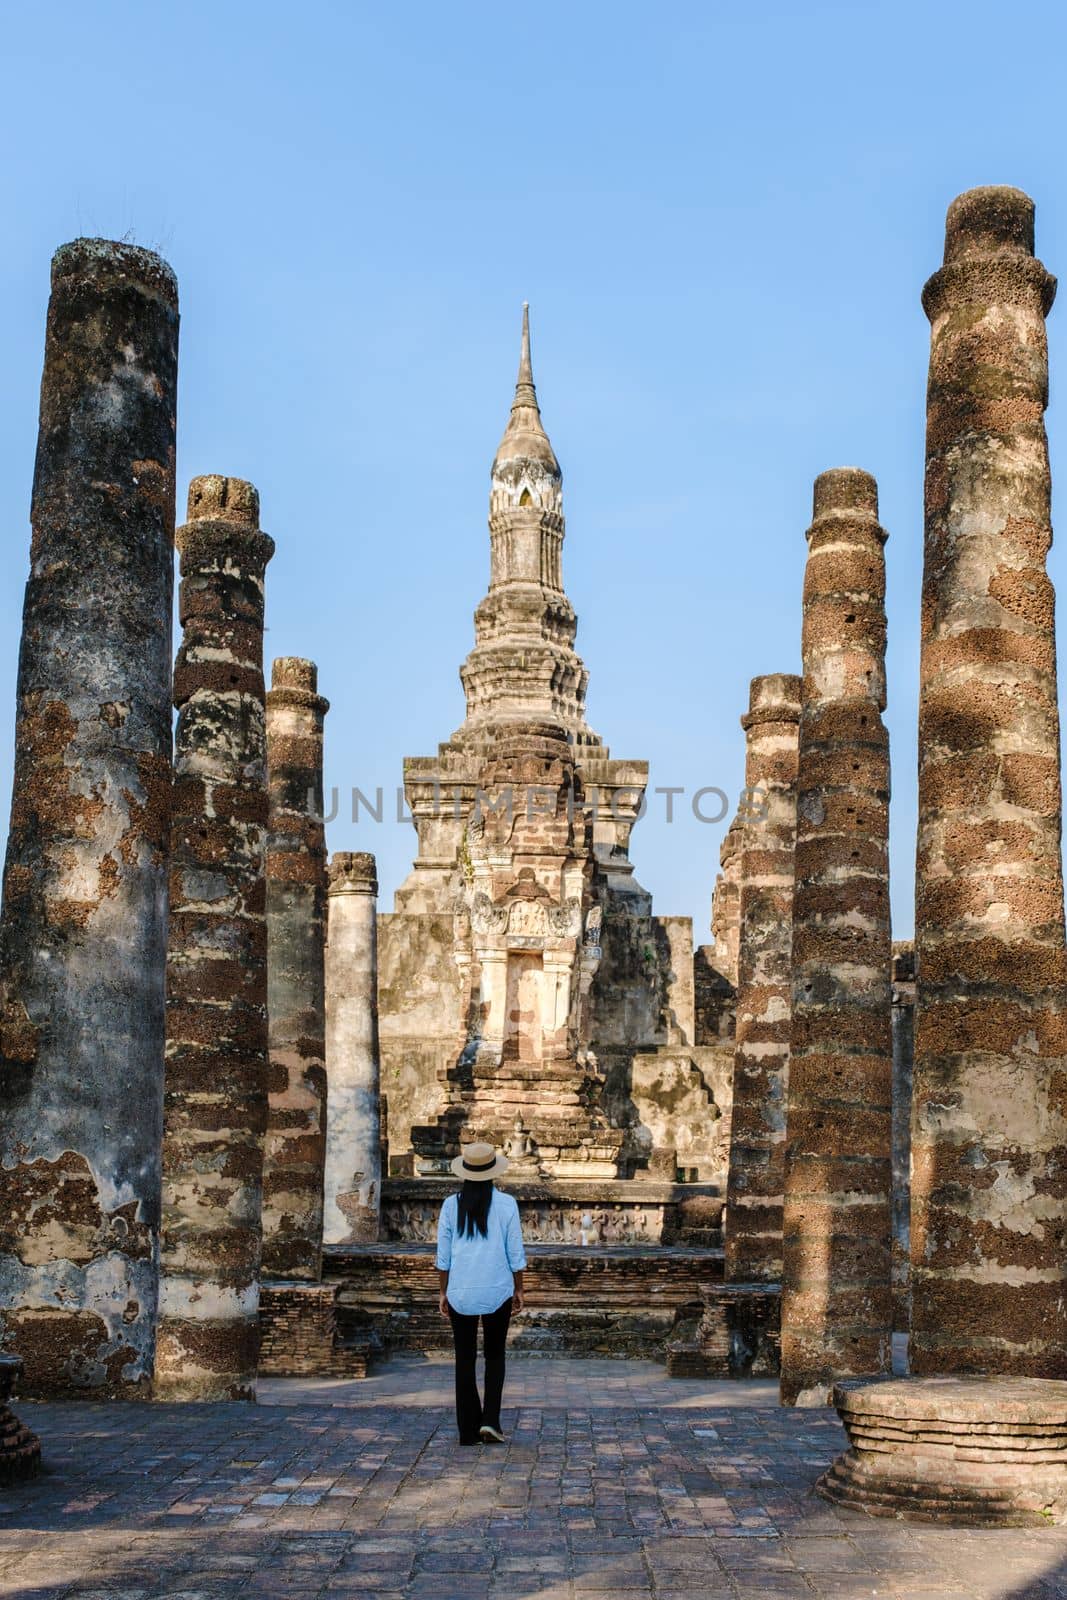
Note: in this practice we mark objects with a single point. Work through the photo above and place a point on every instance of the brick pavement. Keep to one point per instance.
(616, 1482)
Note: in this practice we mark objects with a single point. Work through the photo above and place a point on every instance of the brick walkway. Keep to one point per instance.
(616, 1482)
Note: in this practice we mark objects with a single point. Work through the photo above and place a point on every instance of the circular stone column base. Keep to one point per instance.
(983, 1452)
(20, 1450)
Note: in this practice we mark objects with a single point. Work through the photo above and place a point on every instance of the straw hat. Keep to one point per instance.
(477, 1162)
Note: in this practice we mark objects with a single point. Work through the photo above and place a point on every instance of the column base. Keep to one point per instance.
(981, 1452)
(20, 1450)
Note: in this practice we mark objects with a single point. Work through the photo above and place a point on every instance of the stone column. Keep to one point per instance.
(764, 983)
(836, 1294)
(215, 1107)
(903, 1025)
(989, 1130)
(84, 929)
(725, 909)
(295, 1153)
(353, 1152)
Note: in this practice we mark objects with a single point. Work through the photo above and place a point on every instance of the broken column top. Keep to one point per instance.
(989, 252)
(353, 872)
(844, 489)
(221, 511)
(774, 697)
(103, 259)
(294, 681)
(730, 848)
(223, 499)
(903, 960)
(294, 672)
(991, 220)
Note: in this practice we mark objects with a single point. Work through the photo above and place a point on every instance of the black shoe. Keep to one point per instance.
(470, 1441)
(491, 1435)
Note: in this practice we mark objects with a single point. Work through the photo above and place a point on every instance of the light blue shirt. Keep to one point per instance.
(480, 1270)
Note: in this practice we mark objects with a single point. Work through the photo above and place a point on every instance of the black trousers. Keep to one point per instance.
(471, 1412)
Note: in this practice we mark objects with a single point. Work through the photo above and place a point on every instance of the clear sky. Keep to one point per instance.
(722, 217)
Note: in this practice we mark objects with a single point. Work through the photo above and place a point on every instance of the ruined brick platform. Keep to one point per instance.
(20, 1450)
(983, 1452)
(625, 1211)
(737, 1336)
(620, 1301)
(299, 1337)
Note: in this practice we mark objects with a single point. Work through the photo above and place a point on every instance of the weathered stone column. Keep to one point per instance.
(764, 983)
(353, 1152)
(989, 1132)
(725, 907)
(836, 1293)
(295, 1153)
(903, 1025)
(215, 1107)
(83, 941)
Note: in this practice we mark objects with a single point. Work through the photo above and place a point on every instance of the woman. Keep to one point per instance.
(480, 1262)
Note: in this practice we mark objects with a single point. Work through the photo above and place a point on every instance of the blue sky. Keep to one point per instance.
(722, 218)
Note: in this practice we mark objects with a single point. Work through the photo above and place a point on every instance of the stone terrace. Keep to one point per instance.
(616, 1482)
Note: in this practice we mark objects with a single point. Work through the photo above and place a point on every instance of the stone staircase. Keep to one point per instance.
(545, 1115)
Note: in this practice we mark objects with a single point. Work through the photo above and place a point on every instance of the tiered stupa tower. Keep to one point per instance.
(522, 969)
(524, 665)
(523, 668)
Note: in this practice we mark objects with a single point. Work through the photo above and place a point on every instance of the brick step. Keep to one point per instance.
(528, 1072)
(525, 1096)
(502, 1112)
(705, 1238)
(351, 1357)
(686, 1359)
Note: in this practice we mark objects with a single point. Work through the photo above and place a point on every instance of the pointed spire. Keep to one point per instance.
(525, 436)
(525, 393)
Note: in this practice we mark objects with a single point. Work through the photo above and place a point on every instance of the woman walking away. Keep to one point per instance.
(480, 1262)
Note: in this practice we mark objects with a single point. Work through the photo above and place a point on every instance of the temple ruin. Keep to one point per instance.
(528, 994)
(231, 1087)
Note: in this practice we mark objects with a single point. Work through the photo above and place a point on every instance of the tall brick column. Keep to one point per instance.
(989, 1132)
(353, 1069)
(725, 908)
(215, 1106)
(764, 983)
(836, 1287)
(83, 940)
(903, 1025)
(295, 1152)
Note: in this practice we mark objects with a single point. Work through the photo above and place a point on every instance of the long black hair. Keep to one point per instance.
(473, 1202)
